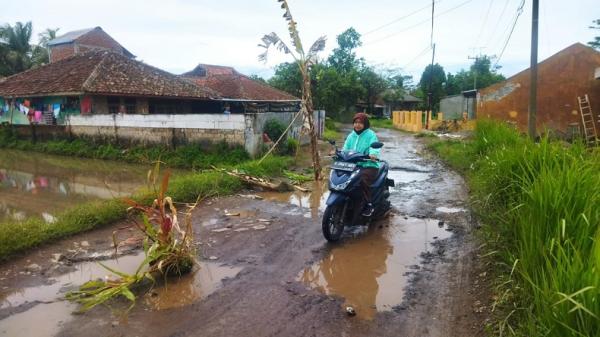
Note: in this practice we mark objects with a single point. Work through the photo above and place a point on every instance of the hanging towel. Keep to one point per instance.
(56, 109)
(38, 116)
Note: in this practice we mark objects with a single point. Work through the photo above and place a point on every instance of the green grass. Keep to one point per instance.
(381, 123)
(19, 236)
(186, 156)
(332, 131)
(540, 205)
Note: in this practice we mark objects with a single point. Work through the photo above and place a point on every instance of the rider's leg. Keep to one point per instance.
(367, 177)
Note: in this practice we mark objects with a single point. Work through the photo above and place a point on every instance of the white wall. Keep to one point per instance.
(188, 121)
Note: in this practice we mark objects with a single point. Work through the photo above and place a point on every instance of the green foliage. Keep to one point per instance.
(291, 146)
(596, 42)
(540, 201)
(274, 128)
(433, 77)
(187, 156)
(480, 74)
(383, 123)
(296, 178)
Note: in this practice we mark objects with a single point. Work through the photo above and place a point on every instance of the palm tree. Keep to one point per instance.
(304, 61)
(18, 57)
(40, 55)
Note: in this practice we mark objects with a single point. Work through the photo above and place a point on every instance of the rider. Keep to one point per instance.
(360, 140)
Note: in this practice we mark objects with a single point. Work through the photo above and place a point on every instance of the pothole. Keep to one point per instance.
(371, 271)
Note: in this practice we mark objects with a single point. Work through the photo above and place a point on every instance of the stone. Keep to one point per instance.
(84, 244)
(33, 267)
(259, 227)
(350, 311)
(220, 230)
(243, 229)
(213, 258)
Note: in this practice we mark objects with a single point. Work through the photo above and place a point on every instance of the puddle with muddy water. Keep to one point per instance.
(369, 271)
(46, 306)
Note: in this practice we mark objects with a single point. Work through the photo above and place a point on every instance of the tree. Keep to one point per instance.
(304, 62)
(40, 55)
(480, 75)
(343, 58)
(257, 78)
(433, 77)
(17, 57)
(374, 84)
(596, 42)
(288, 78)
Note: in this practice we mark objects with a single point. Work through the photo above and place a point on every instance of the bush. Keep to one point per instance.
(274, 128)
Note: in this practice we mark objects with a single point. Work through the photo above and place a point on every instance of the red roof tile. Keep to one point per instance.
(233, 85)
(101, 72)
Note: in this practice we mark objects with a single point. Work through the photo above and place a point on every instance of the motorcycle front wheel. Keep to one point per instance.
(333, 222)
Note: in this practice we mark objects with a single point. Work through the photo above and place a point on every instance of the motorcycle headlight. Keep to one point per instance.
(342, 186)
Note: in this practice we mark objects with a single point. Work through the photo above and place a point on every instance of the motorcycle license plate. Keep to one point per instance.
(343, 166)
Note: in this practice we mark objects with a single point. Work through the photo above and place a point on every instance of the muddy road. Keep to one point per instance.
(266, 269)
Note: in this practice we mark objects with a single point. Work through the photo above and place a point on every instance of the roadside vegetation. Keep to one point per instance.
(332, 130)
(538, 203)
(382, 123)
(18, 236)
(186, 156)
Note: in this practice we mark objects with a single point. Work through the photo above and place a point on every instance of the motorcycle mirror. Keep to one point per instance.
(332, 142)
(377, 145)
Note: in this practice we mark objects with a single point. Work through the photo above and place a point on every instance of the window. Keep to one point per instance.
(113, 104)
(129, 105)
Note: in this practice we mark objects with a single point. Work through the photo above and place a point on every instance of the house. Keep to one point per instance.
(383, 106)
(241, 93)
(108, 96)
(83, 40)
(562, 78)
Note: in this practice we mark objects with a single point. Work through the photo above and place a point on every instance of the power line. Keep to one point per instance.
(498, 22)
(519, 12)
(398, 19)
(484, 22)
(417, 24)
(417, 57)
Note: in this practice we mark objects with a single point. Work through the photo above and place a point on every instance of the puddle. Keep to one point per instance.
(406, 177)
(190, 288)
(85, 272)
(43, 320)
(450, 209)
(312, 202)
(369, 272)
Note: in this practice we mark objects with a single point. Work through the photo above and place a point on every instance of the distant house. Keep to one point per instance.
(455, 106)
(80, 41)
(241, 93)
(561, 79)
(383, 108)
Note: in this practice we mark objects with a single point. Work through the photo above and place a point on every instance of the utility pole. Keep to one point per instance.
(429, 93)
(533, 67)
(476, 58)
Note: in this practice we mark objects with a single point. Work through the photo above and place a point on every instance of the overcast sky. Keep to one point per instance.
(177, 35)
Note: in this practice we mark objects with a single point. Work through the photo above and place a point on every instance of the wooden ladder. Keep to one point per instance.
(587, 118)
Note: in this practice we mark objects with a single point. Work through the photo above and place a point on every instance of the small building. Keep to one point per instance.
(80, 41)
(459, 106)
(562, 78)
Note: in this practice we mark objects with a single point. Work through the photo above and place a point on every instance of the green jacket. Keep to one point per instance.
(362, 143)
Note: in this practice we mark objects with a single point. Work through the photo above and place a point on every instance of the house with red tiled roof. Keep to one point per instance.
(80, 41)
(240, 92)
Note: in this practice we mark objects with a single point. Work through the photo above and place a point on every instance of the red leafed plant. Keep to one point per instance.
(168, 248)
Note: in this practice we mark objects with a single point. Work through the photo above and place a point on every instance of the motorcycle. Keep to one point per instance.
(346, 197)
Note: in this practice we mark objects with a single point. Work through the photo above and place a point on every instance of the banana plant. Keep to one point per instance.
(304, 61)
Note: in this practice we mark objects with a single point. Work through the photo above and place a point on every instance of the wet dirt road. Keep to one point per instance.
(266, 270)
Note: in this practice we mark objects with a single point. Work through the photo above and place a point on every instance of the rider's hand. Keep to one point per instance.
(331, 153)
(373, 157)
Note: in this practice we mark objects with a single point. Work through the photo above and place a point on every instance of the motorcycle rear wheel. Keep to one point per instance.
(333, 222)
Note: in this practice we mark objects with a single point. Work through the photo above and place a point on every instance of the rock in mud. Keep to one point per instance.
(350, 311)
(33, 267)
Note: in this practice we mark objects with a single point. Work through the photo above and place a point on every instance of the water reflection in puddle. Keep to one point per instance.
(312, 202)
(50, 311)
(190, 288)
(370, 270)
(450, 209)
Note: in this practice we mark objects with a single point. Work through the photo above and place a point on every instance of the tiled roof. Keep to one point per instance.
(101, 72)
(70, 36)
(232, 85)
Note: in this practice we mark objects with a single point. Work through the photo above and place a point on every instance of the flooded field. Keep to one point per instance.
(40, 185)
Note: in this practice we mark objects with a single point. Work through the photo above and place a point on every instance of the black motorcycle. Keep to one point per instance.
(346, 197)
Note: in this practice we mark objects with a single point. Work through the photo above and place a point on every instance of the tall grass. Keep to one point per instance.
(541, 204)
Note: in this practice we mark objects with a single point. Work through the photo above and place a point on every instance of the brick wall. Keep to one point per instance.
(61, 51)
(561, 78)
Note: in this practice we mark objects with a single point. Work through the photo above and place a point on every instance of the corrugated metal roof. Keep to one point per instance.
(70, 36)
